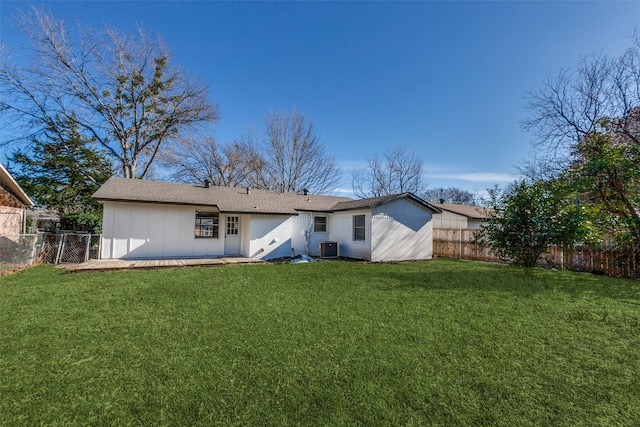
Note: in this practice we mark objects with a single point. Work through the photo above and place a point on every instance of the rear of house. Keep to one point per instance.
(391, 228)
(149, 219)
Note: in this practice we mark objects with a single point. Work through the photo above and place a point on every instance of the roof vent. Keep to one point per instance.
(305, 191)
(207, 183)
(441, 200)
(248, 190)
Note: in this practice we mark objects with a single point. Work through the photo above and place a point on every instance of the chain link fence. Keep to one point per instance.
(17, 251)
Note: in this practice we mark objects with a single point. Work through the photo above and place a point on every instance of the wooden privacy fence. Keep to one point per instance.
(607, 261)
(458, 243)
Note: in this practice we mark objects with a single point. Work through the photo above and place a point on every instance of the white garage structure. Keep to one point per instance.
(145, 219)
(459, 216)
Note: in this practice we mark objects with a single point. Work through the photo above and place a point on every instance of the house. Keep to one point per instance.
(13, 202)
(151, 219)
(459, 216)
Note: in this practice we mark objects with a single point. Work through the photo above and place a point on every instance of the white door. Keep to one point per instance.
(232, 236)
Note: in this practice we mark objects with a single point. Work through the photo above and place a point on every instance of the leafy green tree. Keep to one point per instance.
(525, 220)
(607, 176)
(89, 222)
(62, 171)
(586, 123)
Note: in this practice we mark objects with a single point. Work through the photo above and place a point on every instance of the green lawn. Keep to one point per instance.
(330, 343)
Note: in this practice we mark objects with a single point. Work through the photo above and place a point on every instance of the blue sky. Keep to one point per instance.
(445, 79)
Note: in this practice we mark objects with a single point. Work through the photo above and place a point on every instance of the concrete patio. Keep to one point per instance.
(135, 264)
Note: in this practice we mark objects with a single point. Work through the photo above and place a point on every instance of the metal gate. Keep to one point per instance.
(69, 248)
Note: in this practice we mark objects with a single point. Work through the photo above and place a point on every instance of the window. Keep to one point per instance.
(232, 225)
(206, 224)
(319, 224)
(358, 227)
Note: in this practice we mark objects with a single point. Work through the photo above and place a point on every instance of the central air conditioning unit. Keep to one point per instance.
(328, 249)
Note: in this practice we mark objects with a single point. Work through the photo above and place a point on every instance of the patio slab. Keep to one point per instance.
(135, 264)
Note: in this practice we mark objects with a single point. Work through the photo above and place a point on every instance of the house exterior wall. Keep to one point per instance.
(270, 236)
(303, 239)
(448, 219)
(140, 230)
(475, 223)
(245, 235)
(299, 226)
(397, 230)
(341, 231)
(11, 220)
(11, 213)
(401, 230)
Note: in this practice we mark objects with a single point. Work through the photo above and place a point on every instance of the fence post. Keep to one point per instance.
(44, 244)
(32, 255)
(60, 249)
(86, 250)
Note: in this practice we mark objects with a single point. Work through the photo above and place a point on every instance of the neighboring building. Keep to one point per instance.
(12, 204)
(459, 216)
(151, 219)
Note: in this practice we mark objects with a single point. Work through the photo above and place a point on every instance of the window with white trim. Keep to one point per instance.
(319, 224)
(358, 227)
(206, 224)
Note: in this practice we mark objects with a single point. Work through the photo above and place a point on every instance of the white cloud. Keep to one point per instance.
(437, 175)
(479, 177)
(348, 192)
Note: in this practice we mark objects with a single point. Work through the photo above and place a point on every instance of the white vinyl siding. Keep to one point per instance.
(341, 231)
(139, 230)
(401, 230)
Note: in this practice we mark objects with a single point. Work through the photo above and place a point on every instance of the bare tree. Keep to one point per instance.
(120, 90)
(451, 195)
(289, 156)
(199, 160)
(577, 102)
(398, 171)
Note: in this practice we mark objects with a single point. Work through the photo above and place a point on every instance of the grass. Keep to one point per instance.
(333, 343)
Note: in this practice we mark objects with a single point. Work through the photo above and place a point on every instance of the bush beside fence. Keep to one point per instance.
(458, 243)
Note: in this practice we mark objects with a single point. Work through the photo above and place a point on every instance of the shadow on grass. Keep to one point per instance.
(480, 276)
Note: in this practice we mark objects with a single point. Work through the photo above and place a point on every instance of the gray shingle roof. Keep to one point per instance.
(375, 201)
(226, 199)
(475, 212)
(235, 199)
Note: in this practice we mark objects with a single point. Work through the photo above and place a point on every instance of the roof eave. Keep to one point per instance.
(152, 202)
(230, 211)
(14, 187)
